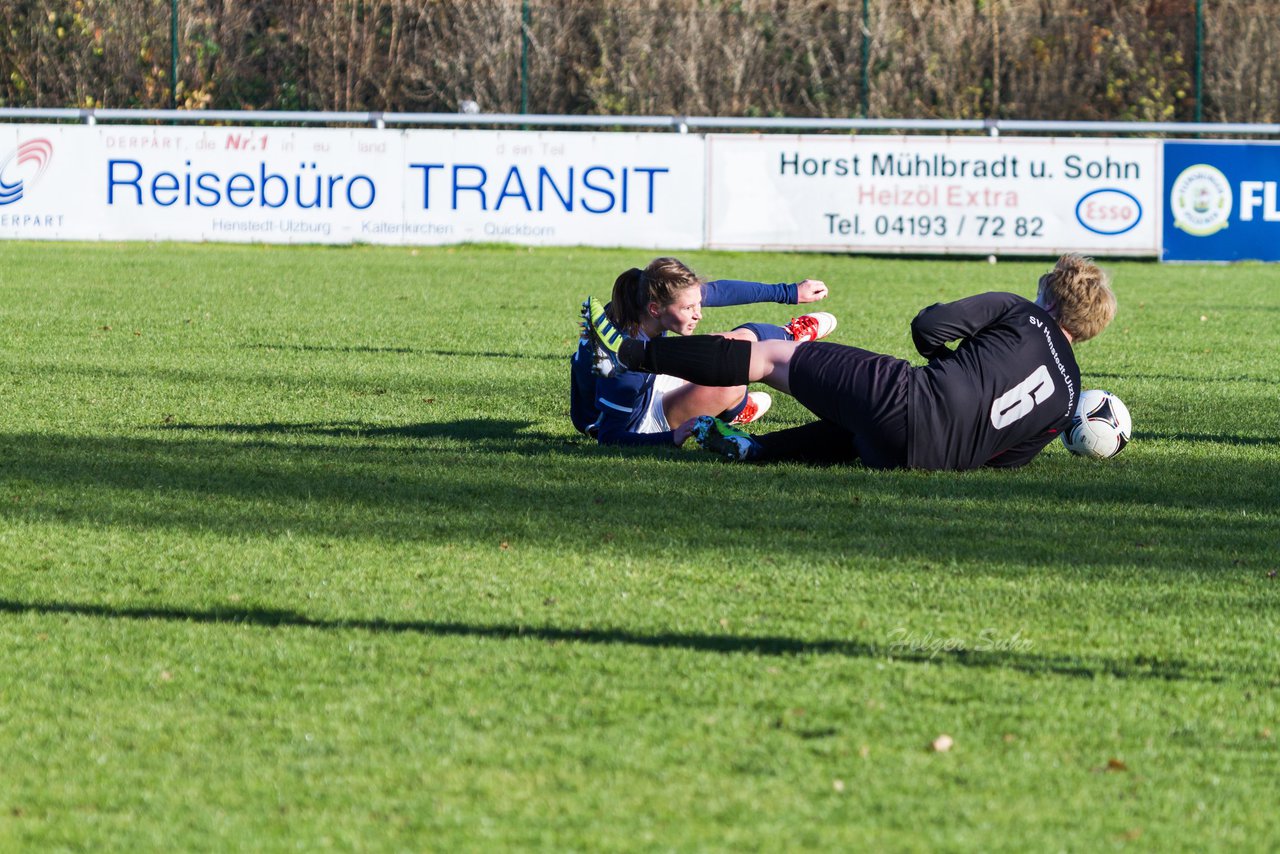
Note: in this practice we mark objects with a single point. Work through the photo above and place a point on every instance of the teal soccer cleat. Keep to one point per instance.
(728, 441)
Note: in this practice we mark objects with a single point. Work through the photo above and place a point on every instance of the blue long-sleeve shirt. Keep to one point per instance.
(612, 408)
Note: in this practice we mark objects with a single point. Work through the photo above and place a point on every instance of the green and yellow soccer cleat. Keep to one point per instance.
(728, 441)
(604, 337)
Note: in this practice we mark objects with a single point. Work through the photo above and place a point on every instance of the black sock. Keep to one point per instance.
(818, 442)
(631, 354)
(701, 359)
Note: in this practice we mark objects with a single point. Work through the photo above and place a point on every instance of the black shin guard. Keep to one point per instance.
(701, 359)
(818, 443)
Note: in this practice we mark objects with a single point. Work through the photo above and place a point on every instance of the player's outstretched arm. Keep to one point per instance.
(721, 292)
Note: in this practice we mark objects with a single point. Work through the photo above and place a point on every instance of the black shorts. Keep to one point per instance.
(863, 392)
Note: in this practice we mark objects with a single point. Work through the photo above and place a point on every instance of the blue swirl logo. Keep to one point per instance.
(23, 167)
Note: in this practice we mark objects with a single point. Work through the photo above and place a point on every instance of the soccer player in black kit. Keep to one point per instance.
(997, 399)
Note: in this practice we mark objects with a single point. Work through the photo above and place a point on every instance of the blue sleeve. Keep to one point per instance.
(619, 400)
(734, 292)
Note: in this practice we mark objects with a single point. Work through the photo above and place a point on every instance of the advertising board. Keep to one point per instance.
(291, 185)
(1179, 201)
(1222, 201)
(920, 194)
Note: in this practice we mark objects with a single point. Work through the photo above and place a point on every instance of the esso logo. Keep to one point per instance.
(1108, 211)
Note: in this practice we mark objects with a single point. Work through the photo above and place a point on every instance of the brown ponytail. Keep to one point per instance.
(628, 305)
(659, 282)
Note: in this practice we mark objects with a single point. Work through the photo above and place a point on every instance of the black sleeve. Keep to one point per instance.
(941, 322)
(1020, 455)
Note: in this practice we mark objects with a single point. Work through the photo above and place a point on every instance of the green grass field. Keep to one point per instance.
(300, 551)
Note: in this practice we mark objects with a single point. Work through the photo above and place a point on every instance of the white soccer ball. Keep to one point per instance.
(1101, 426)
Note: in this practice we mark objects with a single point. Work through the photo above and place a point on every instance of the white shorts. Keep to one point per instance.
(655, 418)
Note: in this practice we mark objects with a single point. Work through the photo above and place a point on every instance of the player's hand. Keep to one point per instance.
(681, 434)
(811, 290)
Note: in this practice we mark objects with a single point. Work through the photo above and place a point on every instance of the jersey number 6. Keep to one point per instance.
(1018, 401)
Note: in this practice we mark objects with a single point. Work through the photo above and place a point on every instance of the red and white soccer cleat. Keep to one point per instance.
(758, 403)
(811, 327)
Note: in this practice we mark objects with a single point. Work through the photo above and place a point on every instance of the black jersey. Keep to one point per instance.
(1000, 396)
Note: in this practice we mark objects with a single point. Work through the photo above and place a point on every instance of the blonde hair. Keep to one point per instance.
(1078, 294)
(661, 282)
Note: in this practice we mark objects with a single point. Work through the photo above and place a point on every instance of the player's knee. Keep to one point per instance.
(771, 361)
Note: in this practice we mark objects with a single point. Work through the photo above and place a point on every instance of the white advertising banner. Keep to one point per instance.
(924, 194)
(291, 185)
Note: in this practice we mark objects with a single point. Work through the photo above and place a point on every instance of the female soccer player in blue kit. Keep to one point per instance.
(997, 399)
(666, 296)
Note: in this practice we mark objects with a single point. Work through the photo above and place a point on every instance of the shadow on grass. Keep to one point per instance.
(1210, 438)
(315, 348)
(477, 482)
(472, 429)
(388, 379)
(415, 351)
(1079, 667)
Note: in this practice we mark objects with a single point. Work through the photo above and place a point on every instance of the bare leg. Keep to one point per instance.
(771, 363)
(691, 400)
